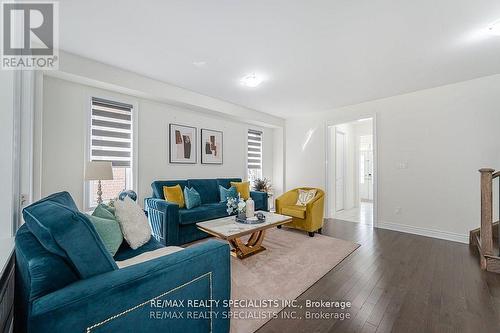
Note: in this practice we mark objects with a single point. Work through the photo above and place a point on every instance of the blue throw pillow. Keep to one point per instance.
(191, 198)
(226, 193)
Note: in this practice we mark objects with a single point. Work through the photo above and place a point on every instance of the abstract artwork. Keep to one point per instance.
(211, 147)
(182, 144)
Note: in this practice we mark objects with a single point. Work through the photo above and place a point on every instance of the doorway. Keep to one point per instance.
(351, 171)
(340, 159)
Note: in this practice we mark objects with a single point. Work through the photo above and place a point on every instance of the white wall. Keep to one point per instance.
(278, 174)
(64, 119)
(6, 162)
(443, 135)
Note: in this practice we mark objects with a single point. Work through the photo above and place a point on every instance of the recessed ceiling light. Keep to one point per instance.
(199, 63)
(494, 28)
(364, 119)
(251, 80)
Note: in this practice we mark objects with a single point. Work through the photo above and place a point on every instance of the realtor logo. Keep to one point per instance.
(29, 35)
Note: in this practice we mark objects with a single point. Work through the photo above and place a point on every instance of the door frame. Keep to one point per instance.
(329, 158)
(344, 166)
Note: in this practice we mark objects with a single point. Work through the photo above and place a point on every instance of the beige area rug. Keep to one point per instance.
(292, 263)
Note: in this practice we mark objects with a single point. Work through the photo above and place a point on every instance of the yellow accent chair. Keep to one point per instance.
(309, 217)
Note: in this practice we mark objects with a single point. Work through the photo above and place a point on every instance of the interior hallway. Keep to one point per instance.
(362, 214)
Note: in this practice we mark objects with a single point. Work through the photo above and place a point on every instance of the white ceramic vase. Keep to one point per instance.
(250, 208)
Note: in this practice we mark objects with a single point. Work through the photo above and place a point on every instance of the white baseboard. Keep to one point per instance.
(446, 235)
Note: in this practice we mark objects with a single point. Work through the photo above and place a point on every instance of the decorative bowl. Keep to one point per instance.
(260, 219)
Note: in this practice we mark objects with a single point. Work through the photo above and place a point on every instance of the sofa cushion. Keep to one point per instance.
(174, 194)
(202, 213)
(149, 255)
(109, 231)
(192, 198)
(133, 222)
(157, 186)
(126, 252)
(294, 211)
(226, 182)
(38, 271)
(305, 196)
(226, 193)
(243, 189)
(207, 188)
(104, 211)
(64, 231)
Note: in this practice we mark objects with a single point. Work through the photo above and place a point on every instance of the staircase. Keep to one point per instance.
(485, 238)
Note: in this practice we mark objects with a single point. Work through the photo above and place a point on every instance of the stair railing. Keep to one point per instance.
(486, 234)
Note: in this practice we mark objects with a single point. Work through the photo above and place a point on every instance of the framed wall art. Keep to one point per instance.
(211, 147)
(182, 144)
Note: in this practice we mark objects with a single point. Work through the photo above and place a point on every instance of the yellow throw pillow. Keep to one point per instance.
(174, 194)
(243, 189)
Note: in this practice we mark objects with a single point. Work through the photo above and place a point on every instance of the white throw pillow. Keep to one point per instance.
(133, 222)
(305, 196)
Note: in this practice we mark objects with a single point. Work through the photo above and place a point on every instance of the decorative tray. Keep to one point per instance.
(260, 219)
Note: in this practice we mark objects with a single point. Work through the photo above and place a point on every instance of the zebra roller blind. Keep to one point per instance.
(111, 132)
(254, 150)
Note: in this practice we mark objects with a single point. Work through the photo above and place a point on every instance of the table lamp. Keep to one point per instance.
(99, 170)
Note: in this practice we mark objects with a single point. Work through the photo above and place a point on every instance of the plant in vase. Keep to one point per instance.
(262, 185)
(236, 206)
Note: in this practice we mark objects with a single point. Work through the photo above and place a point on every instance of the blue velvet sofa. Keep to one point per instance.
(174, 226)
(66, 281)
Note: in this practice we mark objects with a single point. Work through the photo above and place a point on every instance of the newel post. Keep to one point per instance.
(486, 214)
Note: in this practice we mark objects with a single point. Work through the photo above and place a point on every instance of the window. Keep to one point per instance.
(111, 139)
(254, 164)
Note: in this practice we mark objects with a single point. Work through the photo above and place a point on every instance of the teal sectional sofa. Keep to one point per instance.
(66, 280)
(174, 226)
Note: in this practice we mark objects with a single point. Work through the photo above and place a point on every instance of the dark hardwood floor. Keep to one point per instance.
(400, 282)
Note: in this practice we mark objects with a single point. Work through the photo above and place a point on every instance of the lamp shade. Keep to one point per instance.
(98, 170)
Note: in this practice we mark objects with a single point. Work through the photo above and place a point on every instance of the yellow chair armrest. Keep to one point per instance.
(286, 199)
(315, 201)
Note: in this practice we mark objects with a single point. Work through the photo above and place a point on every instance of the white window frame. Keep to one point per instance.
(261, 151)
(135, 147)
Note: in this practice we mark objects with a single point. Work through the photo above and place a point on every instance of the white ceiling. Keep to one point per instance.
(317, 54)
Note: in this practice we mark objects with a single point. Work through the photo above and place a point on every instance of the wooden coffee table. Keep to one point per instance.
(228, 229)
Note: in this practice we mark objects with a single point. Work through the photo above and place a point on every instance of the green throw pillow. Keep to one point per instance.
(191, 197)
(105, 212)
(108, 229)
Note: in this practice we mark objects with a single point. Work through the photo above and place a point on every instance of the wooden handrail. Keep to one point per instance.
(496, 174)
(486, 214)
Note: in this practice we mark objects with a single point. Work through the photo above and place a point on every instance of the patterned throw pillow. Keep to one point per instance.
(305, 196)
(191, 197)
(226, 193)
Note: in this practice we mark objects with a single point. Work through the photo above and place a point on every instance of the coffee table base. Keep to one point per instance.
(252, 246)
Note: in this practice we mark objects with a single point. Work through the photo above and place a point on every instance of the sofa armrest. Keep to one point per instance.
(260, 196)
(163, 217)
(315, 211)
(316, 201)
(127, 299)
(286, 199)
